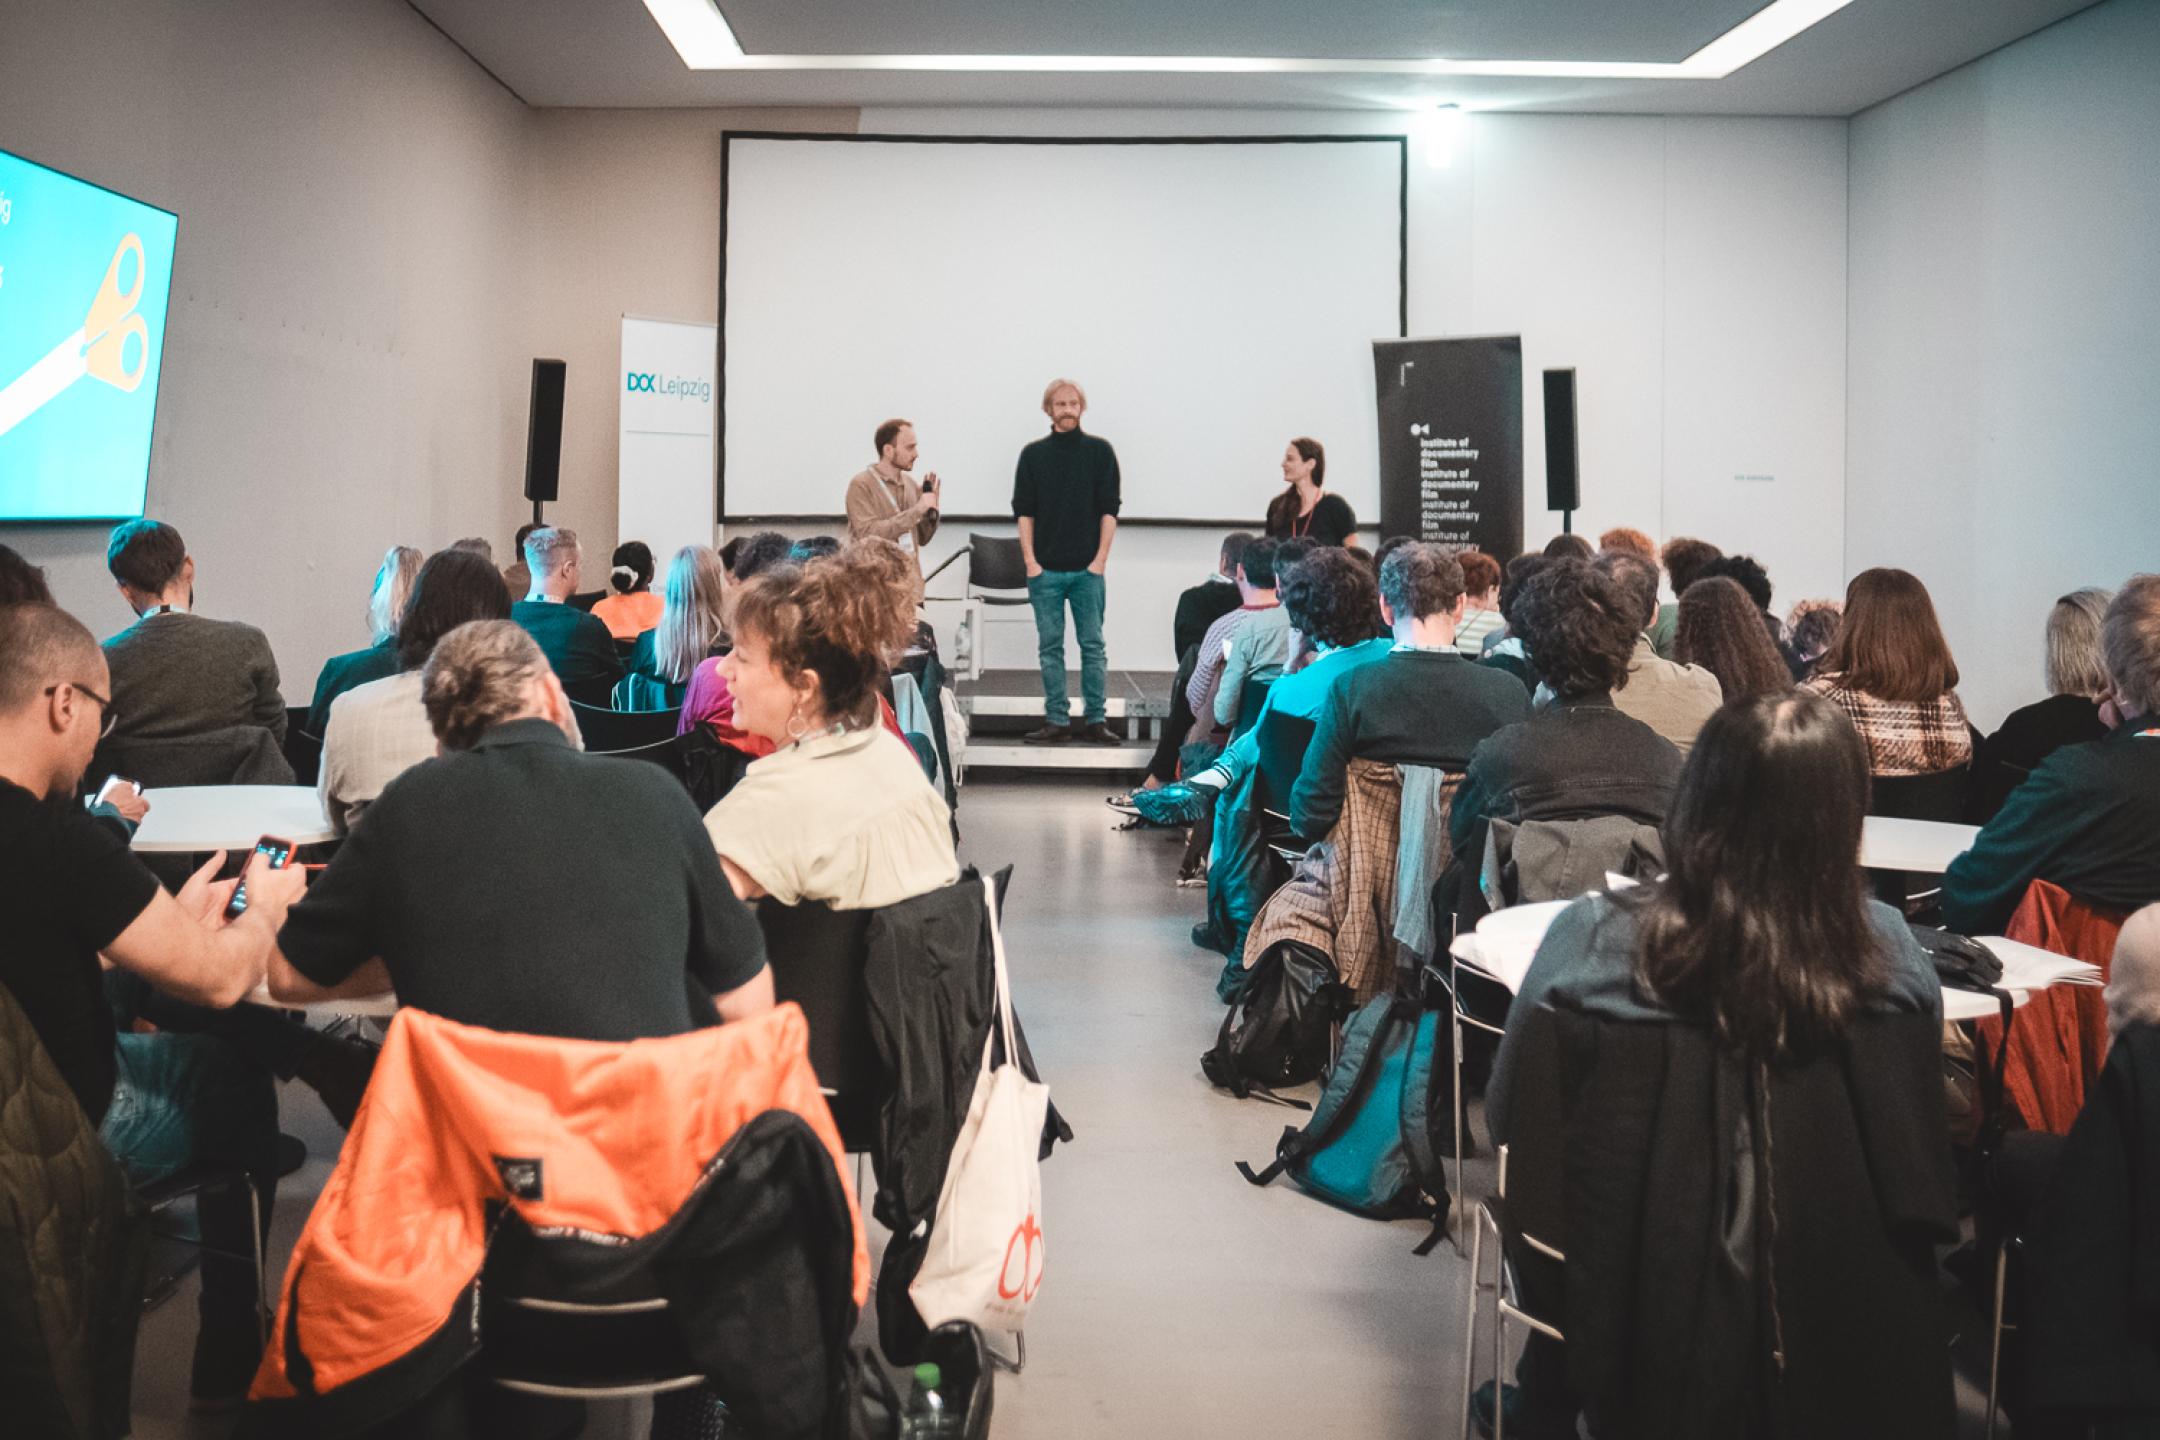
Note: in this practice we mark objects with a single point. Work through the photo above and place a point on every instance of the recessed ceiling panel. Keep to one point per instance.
(1609, 30)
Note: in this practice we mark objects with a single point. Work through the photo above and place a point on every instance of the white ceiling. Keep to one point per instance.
(611, 53)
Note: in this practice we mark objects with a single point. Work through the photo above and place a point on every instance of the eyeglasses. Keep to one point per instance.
(112, 716)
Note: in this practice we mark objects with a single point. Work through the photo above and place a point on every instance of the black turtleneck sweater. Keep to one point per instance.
(1066, 484)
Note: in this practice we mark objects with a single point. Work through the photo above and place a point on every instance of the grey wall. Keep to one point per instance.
(2004, 383)
(345, 362)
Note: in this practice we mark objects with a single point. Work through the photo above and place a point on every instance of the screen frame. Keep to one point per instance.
(164, 332)
(728, 137)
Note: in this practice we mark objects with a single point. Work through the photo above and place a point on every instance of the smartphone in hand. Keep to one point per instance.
(280, 853)
(116, 784)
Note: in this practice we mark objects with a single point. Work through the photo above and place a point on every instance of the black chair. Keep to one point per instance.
(1251, 696)
(610, 732)
(1283, 740)
(996, 576)
(817, 956)
(165, 1193)
(1945, 796)
(303, 751)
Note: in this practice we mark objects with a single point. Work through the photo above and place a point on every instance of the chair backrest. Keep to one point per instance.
(609, 732)
(995, 564)
(1282, 739)
(817, 956)
(1251, 696)
(1534, 860)
(1945, 795)
(303, 751)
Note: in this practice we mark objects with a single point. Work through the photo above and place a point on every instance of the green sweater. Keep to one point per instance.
(2085, 820)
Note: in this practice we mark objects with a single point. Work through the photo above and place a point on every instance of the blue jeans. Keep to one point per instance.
(192, 1101)
(1049, 593)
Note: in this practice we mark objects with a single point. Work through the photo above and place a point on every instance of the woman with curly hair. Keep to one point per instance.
(840, 811)
(1578, 756)
(1721, 630)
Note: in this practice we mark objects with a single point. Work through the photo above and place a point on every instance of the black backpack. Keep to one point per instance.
(1277, 1033)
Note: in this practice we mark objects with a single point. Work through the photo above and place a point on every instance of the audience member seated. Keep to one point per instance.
(452, 889)
(1577, 756)
(840, 810)
(1622, 540)
(1504, 649)
(2085, 819)
(2077, 686)
(708, 701)
(1814, 626)
(21, 581)
(1721, 630)
(1751, 577)
(1198, 607)
(70, 892)
(1481, 602)
(813, 547)
(340, 673)
(1891, 671)
(1670, 698)
(577, 645)
(379, 731)
(176, 673)
(1684, 558)
(1761, 935)
(1568, 547)
(1420, 704)
(1256, 596)
(1258, 644)
(692, 629)
(517, 576)
(632, 609)
(1304, 510)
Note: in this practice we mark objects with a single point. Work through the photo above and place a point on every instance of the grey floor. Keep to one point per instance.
(1178, 1300)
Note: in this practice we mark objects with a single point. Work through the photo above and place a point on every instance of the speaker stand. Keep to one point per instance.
(1567, 519)
(537, 518)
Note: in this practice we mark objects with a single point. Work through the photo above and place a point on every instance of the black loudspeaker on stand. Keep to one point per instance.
(543, 434)
(1563, 482)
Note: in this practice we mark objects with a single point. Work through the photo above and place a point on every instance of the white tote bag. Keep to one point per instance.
(985, 1262)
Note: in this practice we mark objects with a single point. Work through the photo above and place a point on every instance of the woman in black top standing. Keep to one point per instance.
(1304, 510)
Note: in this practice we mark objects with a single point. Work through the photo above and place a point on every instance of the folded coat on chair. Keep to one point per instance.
(607, 1143)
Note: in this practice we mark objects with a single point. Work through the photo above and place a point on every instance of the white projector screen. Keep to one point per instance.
(1215, 298)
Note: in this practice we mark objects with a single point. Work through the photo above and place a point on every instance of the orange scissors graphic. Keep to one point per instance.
(99, 349)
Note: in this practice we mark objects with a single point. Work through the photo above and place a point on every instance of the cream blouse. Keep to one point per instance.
(846, 818)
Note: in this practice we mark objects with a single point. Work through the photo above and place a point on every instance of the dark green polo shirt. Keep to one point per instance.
(525, 886)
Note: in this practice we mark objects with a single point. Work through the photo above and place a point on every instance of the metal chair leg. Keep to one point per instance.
(1462, 1118)
(1499, 1340)
(1469, 1344)
(255, 1237)
(2002, 1271)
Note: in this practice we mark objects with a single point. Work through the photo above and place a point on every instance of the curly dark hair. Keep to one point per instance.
(1578, 627)
(1520, 571)
(1684, 558)
(1331, 598)
(1744, 569)
(760, 552)
(1720, 629)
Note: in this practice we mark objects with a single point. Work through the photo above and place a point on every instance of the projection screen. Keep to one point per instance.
(1214, 297)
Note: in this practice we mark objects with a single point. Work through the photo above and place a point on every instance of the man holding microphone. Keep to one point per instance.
(885, 503)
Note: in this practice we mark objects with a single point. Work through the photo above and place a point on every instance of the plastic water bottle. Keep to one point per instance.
(926, 1417)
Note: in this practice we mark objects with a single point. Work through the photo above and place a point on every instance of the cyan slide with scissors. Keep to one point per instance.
(85, 280)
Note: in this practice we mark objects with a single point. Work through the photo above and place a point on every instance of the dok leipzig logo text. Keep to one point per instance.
(648, 384)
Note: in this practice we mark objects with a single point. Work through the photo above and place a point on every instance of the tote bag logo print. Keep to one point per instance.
(1025, 1283)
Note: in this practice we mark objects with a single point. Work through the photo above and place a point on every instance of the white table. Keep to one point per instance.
(230, 817)
(1923, 847)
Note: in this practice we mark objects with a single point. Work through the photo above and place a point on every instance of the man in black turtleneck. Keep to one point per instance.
(1065, 497)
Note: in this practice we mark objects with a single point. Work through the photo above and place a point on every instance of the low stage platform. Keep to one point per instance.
(1003, 705)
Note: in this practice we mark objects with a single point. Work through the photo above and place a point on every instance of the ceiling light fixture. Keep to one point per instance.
(701, 36)
(1442, 129)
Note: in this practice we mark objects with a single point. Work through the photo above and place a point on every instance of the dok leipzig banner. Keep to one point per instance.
(1451, 457)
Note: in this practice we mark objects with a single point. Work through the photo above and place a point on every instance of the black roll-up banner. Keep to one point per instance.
(1451, 454)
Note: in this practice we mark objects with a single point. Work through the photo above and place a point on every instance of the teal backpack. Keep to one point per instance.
(1370, 1146)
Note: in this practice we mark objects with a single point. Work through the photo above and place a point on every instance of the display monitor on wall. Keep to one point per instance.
(85, 279)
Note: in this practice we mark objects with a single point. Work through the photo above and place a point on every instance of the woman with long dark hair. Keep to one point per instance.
(1762, 936)
(1305, 510)
(1721, 630)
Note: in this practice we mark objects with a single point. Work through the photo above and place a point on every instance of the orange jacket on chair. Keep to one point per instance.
(606, 1140)
(2058, 1038)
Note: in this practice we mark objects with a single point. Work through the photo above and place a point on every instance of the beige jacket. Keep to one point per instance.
(877, 509)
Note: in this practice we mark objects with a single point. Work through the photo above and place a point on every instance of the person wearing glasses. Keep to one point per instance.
(176, 673)
(71, 893)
